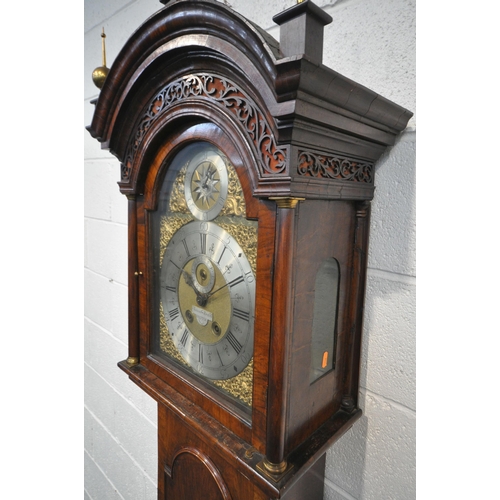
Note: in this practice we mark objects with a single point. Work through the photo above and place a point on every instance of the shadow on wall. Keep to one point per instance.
(376, 457)
(389, 345)
(345, 462)
(393, 215)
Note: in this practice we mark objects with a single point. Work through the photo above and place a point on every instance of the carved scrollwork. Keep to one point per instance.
(228, 96)
(334, 167)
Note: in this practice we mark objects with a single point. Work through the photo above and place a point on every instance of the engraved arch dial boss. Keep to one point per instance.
(205, 184)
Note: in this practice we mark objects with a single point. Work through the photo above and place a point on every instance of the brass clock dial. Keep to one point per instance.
(205, 255)
(207, 288)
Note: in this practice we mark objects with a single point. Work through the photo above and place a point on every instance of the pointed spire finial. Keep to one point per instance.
(101, 72)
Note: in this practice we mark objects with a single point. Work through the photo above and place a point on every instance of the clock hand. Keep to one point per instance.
(189, 280)
(218, 289)
(233, 282)
(201, 298)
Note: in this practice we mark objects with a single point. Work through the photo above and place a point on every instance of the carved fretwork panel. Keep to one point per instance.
(231, 100)
(328, 166)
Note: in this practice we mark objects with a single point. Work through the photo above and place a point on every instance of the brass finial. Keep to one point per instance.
(100, 73)
(300, 1)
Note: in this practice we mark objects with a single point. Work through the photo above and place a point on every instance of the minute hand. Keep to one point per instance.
(237, 280)
(218, 289)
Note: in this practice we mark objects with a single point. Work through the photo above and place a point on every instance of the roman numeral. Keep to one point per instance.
(234, 342)
(241, 314)
(203, 237)
(236, 281)
(186, 247)
(220, 359)
(223, 250)
(171, 289)
(184, 338)
(174, 313)
(200, 353)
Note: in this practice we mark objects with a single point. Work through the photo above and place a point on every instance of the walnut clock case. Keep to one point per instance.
(249, 170)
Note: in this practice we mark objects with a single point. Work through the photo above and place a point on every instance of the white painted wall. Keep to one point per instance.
(372, 42)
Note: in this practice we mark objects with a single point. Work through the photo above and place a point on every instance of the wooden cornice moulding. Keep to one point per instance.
(300, 79)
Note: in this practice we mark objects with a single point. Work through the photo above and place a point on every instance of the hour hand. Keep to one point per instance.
(201, 298)
(189, 280)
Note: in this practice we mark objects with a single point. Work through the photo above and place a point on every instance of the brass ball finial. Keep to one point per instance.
(100, 73)
(99, 76)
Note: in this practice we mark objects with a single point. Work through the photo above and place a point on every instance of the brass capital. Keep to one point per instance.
(286, 201)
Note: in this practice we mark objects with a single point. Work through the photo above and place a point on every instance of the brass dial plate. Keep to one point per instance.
(213, 329)
(172, 216)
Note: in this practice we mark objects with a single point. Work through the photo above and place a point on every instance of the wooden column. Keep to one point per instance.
(133, 285)
(358, 285)
(281, 328)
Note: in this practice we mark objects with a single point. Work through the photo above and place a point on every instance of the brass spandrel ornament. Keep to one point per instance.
(235, 203)
(178, 197)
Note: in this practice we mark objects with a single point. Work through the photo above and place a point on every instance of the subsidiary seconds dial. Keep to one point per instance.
(208, 297)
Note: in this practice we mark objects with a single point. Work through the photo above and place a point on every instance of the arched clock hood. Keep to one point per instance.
(277, 102)
(198, 52)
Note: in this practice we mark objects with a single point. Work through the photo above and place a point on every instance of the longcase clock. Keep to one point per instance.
(249, 168)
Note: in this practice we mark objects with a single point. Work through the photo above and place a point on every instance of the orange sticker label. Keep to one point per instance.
(325, 359)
